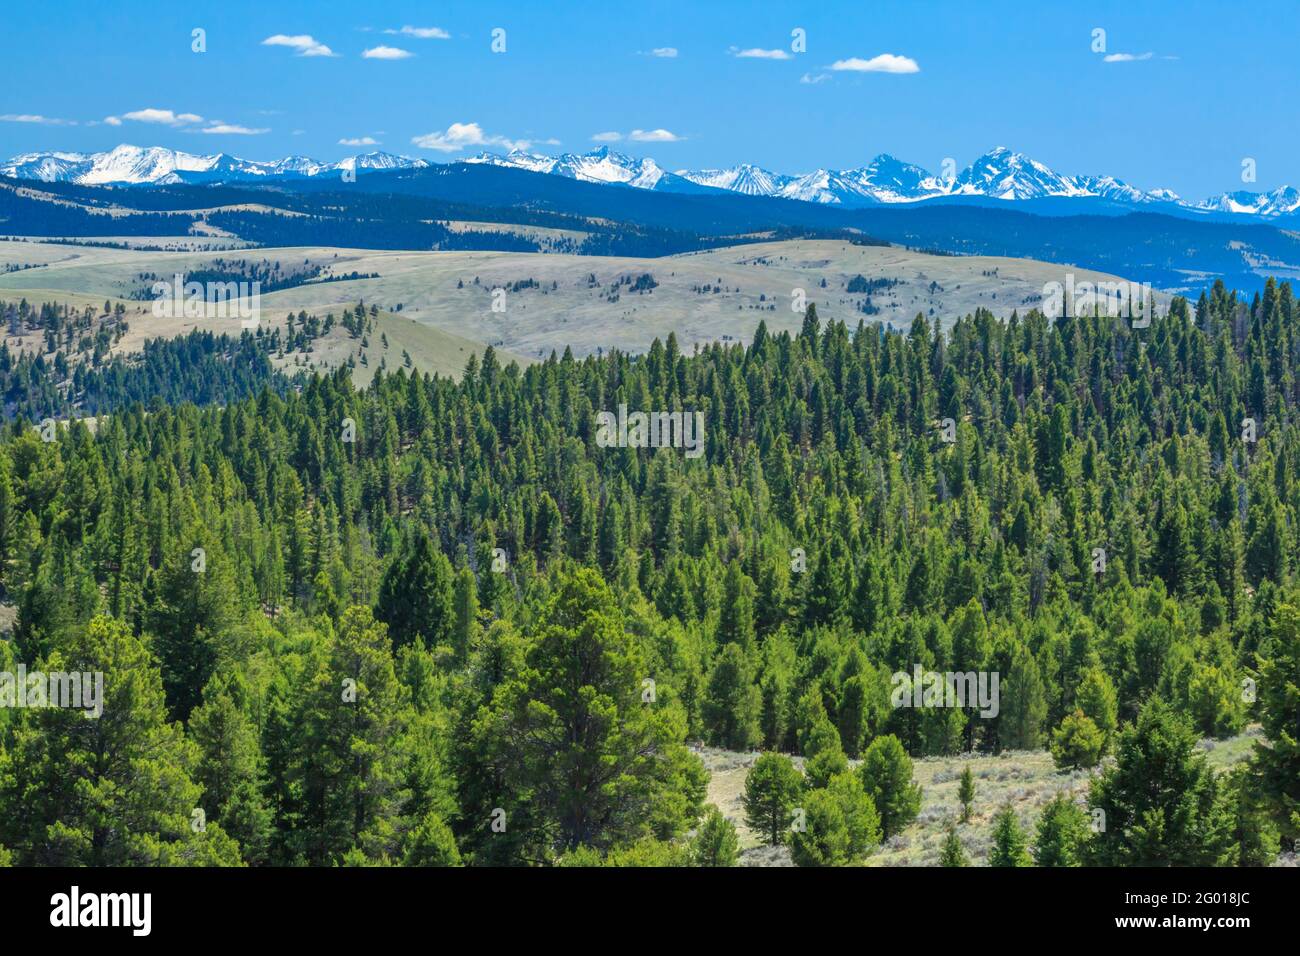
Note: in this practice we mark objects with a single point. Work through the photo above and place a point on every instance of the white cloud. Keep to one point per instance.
(305, 44)
(814, 78)
(458, 136)
(359, 141)
(112, 121)
(608, 137)
(654, 136)
(386, 53)
(1125, 57)
(423, 33)
(668, 52)
(755, 53)
(233, 129)
(884, 63)
(165, 117)
(35, 118)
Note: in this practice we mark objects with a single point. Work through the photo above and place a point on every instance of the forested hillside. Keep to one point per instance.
(437, 622)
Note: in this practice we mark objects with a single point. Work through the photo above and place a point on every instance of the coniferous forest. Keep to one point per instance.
(437, 623)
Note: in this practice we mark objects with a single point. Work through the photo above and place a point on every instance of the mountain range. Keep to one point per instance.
(157, 165)
(999, 174)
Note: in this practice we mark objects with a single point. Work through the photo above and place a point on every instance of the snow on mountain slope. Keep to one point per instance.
(374, 162)
(824, 186)
(517, 159)
(601, 165)
(747, 179)
(888, 179)
(157, 165)
(999, 174)
(1003, 174)
(47, 167)
(1278, 202)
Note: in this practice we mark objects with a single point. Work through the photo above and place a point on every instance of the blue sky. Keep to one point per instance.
(1190, 88)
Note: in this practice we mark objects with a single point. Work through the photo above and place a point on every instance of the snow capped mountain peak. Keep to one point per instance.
(890, 179)
(134, 164)
(517, 158)
(296, 166)
(1277, 202)
(1004, 174)
(377, 160)
(747, 179)
(599, 165)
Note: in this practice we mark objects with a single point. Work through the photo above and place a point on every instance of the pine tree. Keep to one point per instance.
(824, 756)
(1279, 697)
(886, 772)
(1062, 832)
(773, 787)
(953, 853)
(715, 842)
(417, 596)
(1161, 804)
(1023, 704)
(732, 704)
(353, 716)
(1008, 840)
(592, 762)
(1097, 700)
(1078, 742)
(1254, 832)
(69, 783)
(823, 838)
(231, 769)
(737, 619)
(859, 811)
(432, 844)
(966, 793)
(466, 610)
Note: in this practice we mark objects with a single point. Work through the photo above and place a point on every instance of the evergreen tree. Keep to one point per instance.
(773, 787)
(591, 763)
(1008, 840)
(1161, 804)
(1279, 697)
(859, 811)
(112, 790)
(353, 716)
(715, 842)
(823, 839)
(953, 853)
(231, 769)
(966, 793)
(416, 598)
(732, 705)
(886, 773)
(1078, 742)
(1062, 832)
